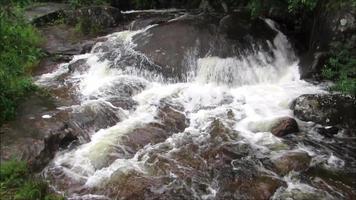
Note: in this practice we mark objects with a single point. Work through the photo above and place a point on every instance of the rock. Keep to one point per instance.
(293, 160)
(330, 25)
(328, 131)
(176, 45)
(40, 129)
(327, 109)
(33, 138)
(284, 126)
(45, 13)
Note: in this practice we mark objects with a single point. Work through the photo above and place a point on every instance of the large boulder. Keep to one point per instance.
(327, 109)
(175, 46)
(44, 13)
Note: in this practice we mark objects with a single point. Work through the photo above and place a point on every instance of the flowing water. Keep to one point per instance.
(206, 138)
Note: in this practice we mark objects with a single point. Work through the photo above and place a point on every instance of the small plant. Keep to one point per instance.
(17, 183)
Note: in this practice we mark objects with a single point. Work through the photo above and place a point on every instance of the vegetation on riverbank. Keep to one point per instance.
(17, 183)
(341, 68)
(19, 53)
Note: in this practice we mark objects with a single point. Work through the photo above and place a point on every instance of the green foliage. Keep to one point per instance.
(31, 190)
(341, 68)
(294, 5)
(19, 52)
(12, 172)
(19, 3)
(16, 183)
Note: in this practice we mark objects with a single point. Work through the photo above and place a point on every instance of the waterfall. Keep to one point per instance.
(241, 95)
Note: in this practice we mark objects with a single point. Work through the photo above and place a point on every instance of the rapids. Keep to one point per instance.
(226, 105)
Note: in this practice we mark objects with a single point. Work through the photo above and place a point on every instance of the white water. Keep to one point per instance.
(257, 89)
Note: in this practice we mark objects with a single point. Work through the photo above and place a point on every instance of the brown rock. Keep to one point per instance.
(284, 126)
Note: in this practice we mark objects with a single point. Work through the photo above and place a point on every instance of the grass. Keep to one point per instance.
(17, 183)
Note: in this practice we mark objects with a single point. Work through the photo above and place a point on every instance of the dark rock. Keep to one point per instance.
(173, 44)
(327, 109)
(284, 126)
(329, 25)
(328, 131)
(311, 65)
(58, 41)
(295, 160)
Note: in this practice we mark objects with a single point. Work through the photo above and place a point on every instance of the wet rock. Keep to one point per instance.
(144, 22)
(173, 120)
(218, 130)
(327, 109)
(126, 103)
(294, 160)
(284, 126)
(174, 45)
(170, 121)
(93, 116)
(80, 66)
